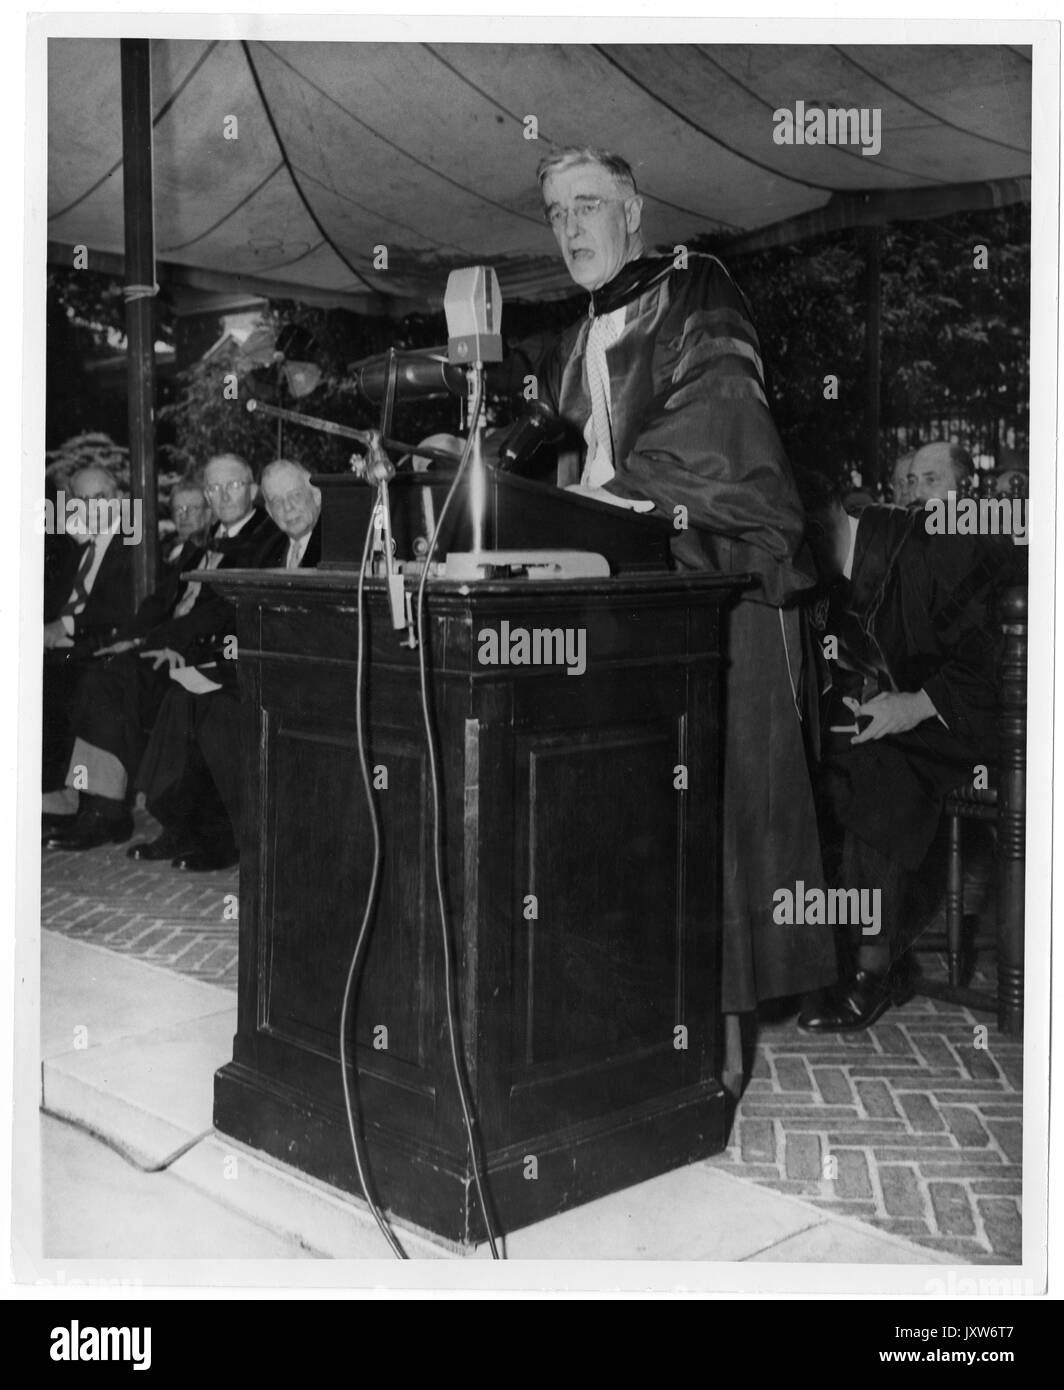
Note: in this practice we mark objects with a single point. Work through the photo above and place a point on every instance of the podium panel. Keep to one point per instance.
(519, 514)
(582, 882)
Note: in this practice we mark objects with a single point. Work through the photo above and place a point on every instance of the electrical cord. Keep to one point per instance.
(448, 965)
(361, 1164)
(350, 1103)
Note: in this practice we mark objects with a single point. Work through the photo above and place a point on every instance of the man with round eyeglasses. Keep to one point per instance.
(661, 387)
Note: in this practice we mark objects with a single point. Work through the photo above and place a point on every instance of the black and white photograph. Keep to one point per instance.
(542, 731)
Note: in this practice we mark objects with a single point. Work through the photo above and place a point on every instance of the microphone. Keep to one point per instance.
(419, 376)
(473, 305)
(539, 424)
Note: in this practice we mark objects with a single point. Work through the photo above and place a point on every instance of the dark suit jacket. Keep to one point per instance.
(110, 601)
(184, 717)
(200, 631)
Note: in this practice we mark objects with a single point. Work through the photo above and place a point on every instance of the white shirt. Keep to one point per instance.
(595, 466)
(847, 568)
(296, 550)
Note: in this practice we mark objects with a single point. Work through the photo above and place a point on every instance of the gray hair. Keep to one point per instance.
(231, 458)
(275, 464)
(104, 472)
(573, 155)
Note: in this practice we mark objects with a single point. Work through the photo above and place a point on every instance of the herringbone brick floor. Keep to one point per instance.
(914, 1126)
(184, 921)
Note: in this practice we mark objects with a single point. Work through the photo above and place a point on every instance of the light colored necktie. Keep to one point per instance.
(603, 333)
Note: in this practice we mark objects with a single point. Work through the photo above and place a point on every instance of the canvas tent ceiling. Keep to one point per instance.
(421, 148)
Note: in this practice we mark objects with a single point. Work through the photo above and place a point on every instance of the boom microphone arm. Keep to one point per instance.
(363, 437)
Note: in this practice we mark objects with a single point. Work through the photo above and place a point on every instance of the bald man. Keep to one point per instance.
(937, 470)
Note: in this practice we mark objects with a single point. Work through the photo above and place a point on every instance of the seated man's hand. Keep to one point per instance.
(893, 712)
(164, 656)
(126, 645)
(55, 635)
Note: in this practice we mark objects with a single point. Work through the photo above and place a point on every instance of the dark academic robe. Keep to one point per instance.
(918, 614)
(692, 428)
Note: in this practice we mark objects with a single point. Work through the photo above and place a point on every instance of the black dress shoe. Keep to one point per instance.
(52, 822)
(88, 830)
(164, 846)
(848, 1008)
(202, 861)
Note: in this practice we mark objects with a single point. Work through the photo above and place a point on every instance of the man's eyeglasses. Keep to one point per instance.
(226, 489)
(191, 510)
(295, 498)
(583, 209)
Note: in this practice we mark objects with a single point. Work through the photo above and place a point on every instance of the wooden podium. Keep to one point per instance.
(582, 874)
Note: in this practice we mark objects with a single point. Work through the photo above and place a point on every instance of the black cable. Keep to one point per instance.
(448, 966)
(352, 972)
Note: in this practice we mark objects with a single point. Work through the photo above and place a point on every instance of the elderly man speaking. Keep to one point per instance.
(662, 382)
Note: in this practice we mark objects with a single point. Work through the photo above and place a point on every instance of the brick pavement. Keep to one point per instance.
(909, 1126)
(186, 922)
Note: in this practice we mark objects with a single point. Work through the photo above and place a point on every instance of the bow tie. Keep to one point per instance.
(224, 545)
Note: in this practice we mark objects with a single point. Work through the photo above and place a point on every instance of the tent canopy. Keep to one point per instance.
(342, 149)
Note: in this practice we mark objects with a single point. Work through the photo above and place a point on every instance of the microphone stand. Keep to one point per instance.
(478, 477)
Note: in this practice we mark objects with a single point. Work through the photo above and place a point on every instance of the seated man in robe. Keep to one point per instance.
(913, 712)
(185, 621)
(192, 769)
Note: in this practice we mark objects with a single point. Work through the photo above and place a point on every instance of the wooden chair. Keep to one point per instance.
(1004, 805)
